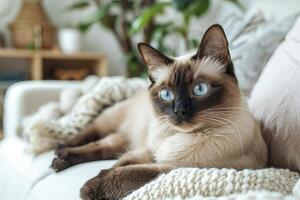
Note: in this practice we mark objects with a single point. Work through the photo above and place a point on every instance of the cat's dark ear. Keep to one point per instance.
(152, 57)
(214, 44)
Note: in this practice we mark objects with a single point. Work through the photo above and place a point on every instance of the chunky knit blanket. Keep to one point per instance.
(44, 135)
(225, 184)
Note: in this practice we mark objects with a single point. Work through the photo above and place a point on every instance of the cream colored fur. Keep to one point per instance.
(192, 116)
(238, 144)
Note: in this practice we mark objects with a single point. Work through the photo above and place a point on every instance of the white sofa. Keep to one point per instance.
(23, 176)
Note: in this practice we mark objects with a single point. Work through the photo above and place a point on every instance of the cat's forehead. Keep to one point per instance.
(186, 68)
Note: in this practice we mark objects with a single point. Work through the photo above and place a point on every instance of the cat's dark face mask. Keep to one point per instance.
(191, 95)
(188, 90)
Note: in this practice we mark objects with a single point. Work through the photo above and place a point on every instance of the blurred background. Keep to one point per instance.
(71, 39)
(54, 53)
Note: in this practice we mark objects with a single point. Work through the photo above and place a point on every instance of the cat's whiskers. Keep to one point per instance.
(224, 121)
(226, 105)
(216, 114)
(164, 123)
(230, 113)
(213, 118)
(226, 108)
(237, 130)
(222, 135)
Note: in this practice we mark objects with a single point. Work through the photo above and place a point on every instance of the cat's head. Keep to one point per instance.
(195, 91)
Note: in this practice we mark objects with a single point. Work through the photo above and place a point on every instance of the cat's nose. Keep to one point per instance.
(180, 111)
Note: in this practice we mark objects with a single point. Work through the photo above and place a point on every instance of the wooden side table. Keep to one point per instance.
(44, 65)
(43, 62)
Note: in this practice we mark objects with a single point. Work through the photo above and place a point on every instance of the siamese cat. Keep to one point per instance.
(193, 115)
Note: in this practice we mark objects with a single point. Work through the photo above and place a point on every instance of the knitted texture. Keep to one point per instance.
(46, 135)
(252, 195)
(190, 182)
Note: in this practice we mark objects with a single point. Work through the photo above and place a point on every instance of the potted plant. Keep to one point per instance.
(69, 39)
(128, 19)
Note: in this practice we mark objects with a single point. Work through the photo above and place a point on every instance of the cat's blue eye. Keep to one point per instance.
(201, 89)
(166, 95)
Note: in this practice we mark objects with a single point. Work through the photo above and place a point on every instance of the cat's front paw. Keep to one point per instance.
(116, 183)
(98, 188)
(59, 164)
(62, 152)
(62, 160)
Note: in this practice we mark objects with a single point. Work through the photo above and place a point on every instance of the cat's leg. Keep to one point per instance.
(118, 182)
(106, 148)
(90, 134)
(139, 156)
(106, 123)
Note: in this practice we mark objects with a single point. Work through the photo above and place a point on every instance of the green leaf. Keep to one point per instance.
(147, 15)
(194, 43)
(109, 21)
(196, 8)
(94, 18)
(161, 31)
(182, 4)
(78, 5)
(180, 30)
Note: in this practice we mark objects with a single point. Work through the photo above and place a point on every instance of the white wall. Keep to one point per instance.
(99, 39)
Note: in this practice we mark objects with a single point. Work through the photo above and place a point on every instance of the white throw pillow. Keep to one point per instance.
(275, 102)
(253, 40)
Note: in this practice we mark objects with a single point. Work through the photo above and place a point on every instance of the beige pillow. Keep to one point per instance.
(275, 101)
(252, 42)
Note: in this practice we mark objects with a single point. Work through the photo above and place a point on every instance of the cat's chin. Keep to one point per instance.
(186, 127)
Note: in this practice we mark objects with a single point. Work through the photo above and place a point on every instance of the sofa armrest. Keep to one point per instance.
(24, 98)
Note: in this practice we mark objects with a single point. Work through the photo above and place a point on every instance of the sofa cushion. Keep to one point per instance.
(275, 102)
(22, 98)
(32, 168)
(252, 42)
(66, 184)
(32, 178)
(19, 170)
